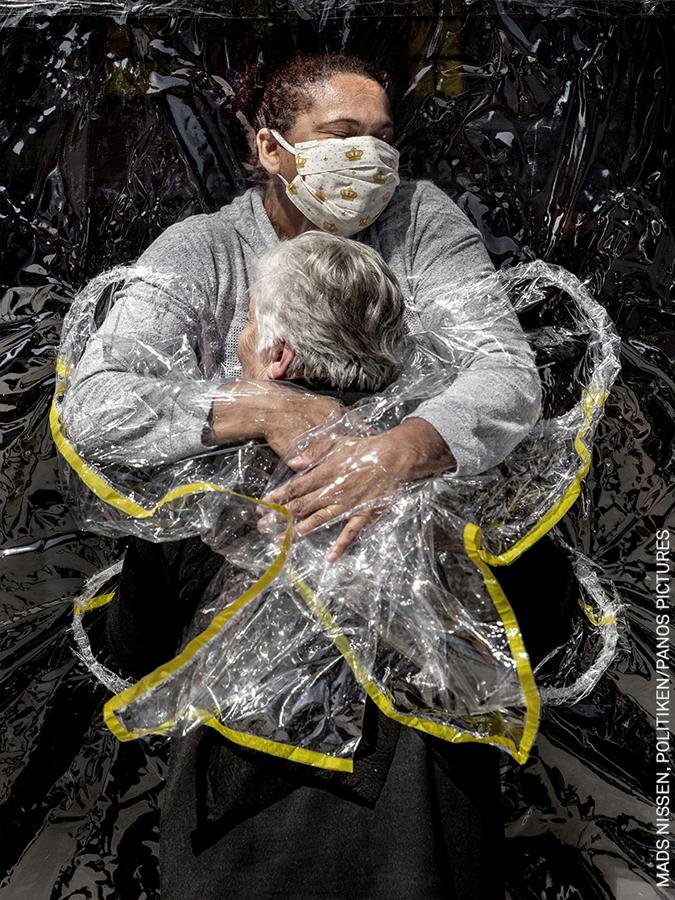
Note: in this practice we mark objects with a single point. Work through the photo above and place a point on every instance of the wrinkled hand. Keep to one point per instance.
(354, 472)
(358, 473)
(295, 415)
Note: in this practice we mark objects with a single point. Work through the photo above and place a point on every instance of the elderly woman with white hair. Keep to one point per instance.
(414, 820)
(326, 315)
(302, 323)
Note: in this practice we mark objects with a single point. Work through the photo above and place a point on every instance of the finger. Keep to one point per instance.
(294, 487)
(301, 462)
(349, 534)
(318, 520)
(304, 507)
(270, 523)
(299, 486)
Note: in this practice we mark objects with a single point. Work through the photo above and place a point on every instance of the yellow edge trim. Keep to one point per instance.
(445, 732)
(285, 751)
(159, 675)
(472, 543)
(593, 399)
(265, 745)
(100, 600)
(607, 619)
(155, 678)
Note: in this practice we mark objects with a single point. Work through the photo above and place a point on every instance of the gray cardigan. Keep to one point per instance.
(135, 413)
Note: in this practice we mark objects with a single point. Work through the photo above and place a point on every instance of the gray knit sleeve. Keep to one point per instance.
(495, 398)
(138, 395)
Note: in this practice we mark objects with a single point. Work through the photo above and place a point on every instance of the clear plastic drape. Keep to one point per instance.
(429, 636)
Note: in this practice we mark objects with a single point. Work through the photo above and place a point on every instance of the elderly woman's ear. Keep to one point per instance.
(280, 359)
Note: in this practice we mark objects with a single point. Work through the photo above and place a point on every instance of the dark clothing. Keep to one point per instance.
(161, 585)
(434, 831)
(418, 817)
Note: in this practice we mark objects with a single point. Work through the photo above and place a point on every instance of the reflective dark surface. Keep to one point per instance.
(551, 125)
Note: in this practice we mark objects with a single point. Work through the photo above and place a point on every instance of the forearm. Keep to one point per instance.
(242, 411)
(485, 414)
(420, 449)
(279, 415)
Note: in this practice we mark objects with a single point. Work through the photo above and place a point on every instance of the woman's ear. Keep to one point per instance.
(269, 151)
(281, 359)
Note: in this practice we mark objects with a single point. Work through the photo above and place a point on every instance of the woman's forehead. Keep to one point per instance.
(349, 98)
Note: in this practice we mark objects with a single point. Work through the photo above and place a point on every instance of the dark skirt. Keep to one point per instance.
(240, 825)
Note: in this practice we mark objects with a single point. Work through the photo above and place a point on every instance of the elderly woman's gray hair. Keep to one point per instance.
(336, 303)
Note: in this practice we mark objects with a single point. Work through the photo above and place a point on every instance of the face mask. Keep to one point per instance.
(343, 184)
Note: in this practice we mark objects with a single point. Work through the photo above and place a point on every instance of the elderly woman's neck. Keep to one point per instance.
(286, 219)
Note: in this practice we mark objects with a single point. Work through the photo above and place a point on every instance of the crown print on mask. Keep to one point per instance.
(342, 184)
(348, 194)
(354, 155)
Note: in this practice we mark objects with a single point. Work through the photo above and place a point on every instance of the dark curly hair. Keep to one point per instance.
(287, 92)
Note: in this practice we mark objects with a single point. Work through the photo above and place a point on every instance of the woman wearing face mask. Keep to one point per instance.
(419, 820)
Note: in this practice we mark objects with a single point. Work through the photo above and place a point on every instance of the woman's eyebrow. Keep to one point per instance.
(346, 121)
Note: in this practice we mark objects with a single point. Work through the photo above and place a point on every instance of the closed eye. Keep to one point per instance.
(338, 134)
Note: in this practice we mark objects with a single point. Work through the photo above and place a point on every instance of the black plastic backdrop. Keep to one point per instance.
(551, 126)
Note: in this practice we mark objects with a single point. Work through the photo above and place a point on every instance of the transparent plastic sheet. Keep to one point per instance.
(582, 182)
(428, 637)
(308, 10)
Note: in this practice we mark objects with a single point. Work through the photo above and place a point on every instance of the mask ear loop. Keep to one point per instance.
(284, 143)
(280, 140)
